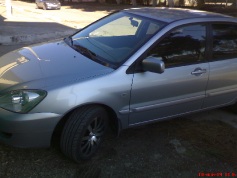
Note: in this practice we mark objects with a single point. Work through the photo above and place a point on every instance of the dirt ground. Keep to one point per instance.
(199, 145)
(182, 147)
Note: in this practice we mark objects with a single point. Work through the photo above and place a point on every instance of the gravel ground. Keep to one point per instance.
(181, 147)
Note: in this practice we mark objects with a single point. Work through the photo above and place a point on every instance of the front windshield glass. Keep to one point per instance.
(115, 38)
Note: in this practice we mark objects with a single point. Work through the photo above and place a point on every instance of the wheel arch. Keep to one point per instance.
(114, 122)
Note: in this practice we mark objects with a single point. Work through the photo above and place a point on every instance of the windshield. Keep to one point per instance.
(115, 38)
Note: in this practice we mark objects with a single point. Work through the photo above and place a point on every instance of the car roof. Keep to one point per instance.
(173, 14)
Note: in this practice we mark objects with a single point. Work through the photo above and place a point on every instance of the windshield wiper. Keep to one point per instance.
(88, 53)
(84, 51)
(69, 40)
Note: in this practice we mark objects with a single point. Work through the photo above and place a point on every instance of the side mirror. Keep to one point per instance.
(153, 64)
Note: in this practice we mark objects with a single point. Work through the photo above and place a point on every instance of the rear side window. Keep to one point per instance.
(182, 46)
(152, 28)
(224, 41)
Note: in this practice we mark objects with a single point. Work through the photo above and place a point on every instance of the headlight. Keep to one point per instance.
(21, 101)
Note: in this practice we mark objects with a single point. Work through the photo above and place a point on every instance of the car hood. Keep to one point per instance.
(42, 65)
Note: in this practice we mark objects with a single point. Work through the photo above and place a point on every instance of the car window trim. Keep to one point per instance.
(211, 58)
(136, 68)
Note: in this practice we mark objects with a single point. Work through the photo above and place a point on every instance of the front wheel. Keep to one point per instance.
(84, 132)
(36, 6)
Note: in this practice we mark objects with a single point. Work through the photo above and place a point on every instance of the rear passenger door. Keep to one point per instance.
(222, 85)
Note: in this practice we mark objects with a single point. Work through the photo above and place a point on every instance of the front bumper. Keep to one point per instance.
(27, 130)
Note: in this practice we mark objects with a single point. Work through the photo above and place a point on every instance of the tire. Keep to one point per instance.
(44, 7)
(83, 132)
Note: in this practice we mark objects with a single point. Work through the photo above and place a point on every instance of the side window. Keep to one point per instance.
(224, 41)
(182, 46)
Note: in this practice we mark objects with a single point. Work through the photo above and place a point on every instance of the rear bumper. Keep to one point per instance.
(53, 7)
(27, 130)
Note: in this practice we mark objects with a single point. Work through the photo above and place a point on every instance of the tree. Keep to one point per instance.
(118, 1)
(154, 3)
(234, 3)
(200, 3)
(171, 3)
(134, 2)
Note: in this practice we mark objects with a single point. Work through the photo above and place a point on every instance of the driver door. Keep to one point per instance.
(181, 88)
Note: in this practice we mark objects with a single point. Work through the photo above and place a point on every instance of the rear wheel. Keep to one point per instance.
(44, 7)
(84, 132)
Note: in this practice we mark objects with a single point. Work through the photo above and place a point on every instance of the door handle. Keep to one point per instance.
(198, 71)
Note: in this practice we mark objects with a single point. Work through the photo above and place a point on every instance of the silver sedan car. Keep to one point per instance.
(133, 67)
(48, 4)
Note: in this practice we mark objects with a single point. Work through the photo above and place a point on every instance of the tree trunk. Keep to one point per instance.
(134, 2)
(154, 3)
(170, 3)
(118, 1)
(200, 3)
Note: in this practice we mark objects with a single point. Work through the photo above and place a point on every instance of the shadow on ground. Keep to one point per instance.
(33, 31)
(1, 19)
(29, 32)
